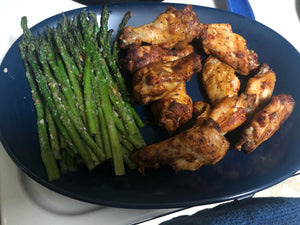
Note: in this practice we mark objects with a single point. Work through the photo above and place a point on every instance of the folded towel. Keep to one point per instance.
(273, 210)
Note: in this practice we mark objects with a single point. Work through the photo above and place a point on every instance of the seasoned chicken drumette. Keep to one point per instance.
(261, 85)
(219, 40)
(173, 28)
(189, 150)
(140, 56)
(174, 109)
(156, 80)
(266, 122)
(232, 112)
(219, 80)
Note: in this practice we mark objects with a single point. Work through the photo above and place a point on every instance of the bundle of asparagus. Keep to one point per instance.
(84, 114)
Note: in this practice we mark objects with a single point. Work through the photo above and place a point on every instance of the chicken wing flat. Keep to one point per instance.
(262, 85)
(219, 40)
(140, 56)
(266, 122)
(173, 28)
(154, 81)
(232, 111)
(173, 110)
(189, 150)
(219, 80)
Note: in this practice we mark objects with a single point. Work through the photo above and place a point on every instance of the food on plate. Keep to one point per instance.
(188, 150)
(173, 28)
(232, 111)
(219, 80)
(266, 122)
(139, 56)
(160, 57)
(201, 110)
(159, 78)
(261, 85)
(76, 84)
(83, 105)
(219, 40)
(174, 109)
(154, 81)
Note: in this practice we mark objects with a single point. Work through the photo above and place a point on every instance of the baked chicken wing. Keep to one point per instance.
(154, 81)
(219, 40)
(189, 150)
(173, 110)
(140, 56)
(232, 112)
(173, 28)
(266, 122)
(219, 80)
(261, 85)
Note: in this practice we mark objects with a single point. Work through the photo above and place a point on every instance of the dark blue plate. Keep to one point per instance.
(237, 175)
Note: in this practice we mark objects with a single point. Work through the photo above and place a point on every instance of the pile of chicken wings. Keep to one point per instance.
(161, 58)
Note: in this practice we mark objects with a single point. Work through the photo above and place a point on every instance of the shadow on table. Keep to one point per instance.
(297, 5)
(221, 4)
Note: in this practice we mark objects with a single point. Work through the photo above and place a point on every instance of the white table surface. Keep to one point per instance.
(280, 15)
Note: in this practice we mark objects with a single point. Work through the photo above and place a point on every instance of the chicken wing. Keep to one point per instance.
(140, 56)
(154, 81)
(219, 40)
(266, 122)
(189, 150)
(173, 28)
(219, 80)
(261, 85)
(232, 111)
(173, 110)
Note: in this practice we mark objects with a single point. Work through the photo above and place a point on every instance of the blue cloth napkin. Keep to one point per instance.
(273, 210)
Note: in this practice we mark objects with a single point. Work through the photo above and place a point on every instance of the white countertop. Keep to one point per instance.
(282, 16)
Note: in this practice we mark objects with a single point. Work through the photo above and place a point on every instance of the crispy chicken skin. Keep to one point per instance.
(232, 111)
(219, 40)
(262, 85)
(201, 108)
(266, 122)
(173, 110)
(173, 28)
(219, 80)
(154, 81)
(189, 150)
(140, 56)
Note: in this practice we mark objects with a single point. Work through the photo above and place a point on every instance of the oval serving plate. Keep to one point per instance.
(237, 175)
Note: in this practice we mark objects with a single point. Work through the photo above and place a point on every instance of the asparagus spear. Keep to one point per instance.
(69, 109)
(63, 110)
(123, 23)
(105, 46)
(74, 49)
(53, 136)
(103, 129)
(46, 153)
(88, 72)
(105, 103)
(112, 131)
(54, 95)
(73, 72)
(27, 35)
